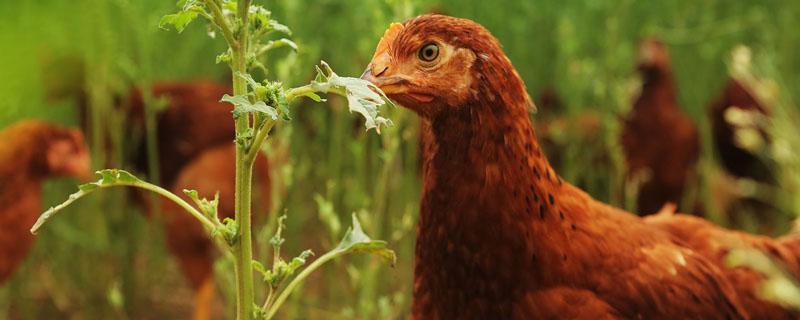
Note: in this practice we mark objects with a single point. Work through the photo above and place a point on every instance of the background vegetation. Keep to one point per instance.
(108, 261)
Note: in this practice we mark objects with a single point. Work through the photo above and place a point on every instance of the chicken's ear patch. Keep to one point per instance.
(388, 37)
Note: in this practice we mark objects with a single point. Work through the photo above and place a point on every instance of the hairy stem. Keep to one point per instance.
(243, 250)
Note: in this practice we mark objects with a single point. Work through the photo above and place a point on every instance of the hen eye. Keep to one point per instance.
(429, 52)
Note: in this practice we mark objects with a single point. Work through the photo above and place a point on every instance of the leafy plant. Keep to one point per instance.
(258, 107)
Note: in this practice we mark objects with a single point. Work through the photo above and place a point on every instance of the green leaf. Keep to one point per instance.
(224, 57)
(283, 42)
(108, 178)
(207, 207)
(229, 231)
(362, 96)
(278, 27)
(298, 261)
(355, 240)
(180, 19)
(242, 105)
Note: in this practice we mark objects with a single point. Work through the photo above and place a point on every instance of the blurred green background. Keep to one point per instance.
(100, 259)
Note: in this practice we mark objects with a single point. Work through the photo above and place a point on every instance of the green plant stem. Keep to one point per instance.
(222, 23)
(243, 250)
(271, 309)
(261, 136)
(297, 92)
(294, 93)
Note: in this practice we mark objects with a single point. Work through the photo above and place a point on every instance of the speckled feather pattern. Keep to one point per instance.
(502, 236)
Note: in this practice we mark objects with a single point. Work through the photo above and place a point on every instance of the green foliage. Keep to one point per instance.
(183, 18)
(108, 178)
(363, 97)
(207, 207)
(355, 240)
(243, 106)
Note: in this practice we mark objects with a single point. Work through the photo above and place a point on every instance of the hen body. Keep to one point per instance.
(194, 120)
(24, 165)
(500, 234)
(660, 142)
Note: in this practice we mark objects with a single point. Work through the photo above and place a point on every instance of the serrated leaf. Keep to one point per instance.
(180, 19)
(242, 105)
(108, 177)
(362, 96)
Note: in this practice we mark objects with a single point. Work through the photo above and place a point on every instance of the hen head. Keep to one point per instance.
(67, 155)
(433, 63)
(653, 57)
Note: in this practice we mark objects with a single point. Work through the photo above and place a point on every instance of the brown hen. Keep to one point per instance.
(500, 235)
(737, 160)
(193, 121)
(30, 152)
(660, 142)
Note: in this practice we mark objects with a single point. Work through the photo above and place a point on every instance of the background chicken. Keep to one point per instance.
(31, 152)
(193, 121)
(660, 142)
(500, 234)
(739, 132)
(736, 160)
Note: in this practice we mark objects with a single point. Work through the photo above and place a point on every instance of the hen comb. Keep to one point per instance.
(388, 38)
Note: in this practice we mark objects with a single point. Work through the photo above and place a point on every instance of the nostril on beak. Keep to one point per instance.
(379, 70)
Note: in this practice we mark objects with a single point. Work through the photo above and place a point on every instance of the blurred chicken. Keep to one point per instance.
(738, 161)
(30, 152)
(660, 142)
(739, 134)
(194, 120)
(211, 171)
(501, 235)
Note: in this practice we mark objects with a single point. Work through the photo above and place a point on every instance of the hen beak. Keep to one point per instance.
(378, 73)
(393, 85)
